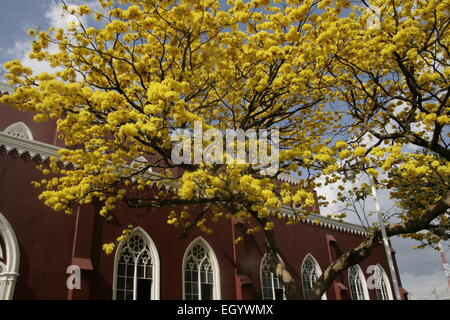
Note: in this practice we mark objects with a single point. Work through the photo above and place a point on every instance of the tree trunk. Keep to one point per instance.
(279, 269)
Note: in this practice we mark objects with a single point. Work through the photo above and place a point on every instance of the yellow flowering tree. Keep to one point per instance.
(144, 69)
(390, 75)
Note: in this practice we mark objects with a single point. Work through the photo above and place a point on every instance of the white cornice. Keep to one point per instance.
(328, 223)
(288, 178)
(33, 148)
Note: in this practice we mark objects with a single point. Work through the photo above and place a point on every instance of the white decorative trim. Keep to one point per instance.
(10, 272)
(19, 130)
(155, 262)
(325, 222)
(288, 178)
(33, 148)
(214, 263)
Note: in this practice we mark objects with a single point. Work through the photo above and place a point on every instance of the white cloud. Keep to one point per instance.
(60, 19)
(18, 49)
(55, 18)
(426, 286)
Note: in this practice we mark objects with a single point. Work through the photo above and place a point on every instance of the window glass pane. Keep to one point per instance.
(129, 295)
(120, 283)
(130, 270)
(207, 291)
(120, 295)
(140, 271)
(279, 294)
(121, 269)
(144, 288)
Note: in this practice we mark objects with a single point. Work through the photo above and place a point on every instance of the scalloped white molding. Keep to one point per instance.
(33, 148)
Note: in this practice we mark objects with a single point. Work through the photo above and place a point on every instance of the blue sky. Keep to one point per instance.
(16, 17)
(421, 271)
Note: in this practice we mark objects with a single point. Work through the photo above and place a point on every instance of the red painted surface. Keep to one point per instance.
(45, 237)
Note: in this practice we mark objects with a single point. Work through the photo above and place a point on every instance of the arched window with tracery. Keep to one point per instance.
(357, 281)
(137, 268)
(310, 272)
(201, 272)
(382, 285)
(9, 259)
(272, 288)
(19, 130)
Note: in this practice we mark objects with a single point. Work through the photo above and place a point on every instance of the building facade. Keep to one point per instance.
(40, 249)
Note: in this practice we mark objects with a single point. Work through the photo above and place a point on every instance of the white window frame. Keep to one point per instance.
(385, 279)
(363, 281)
(214, 265)
(272, 276)
(19, 126)
(318, 273)
(155, 291)
(10, 271)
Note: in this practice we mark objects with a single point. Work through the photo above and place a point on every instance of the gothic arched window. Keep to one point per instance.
(357, 281)
(137, 268)
(382, 285)
(201, 272)
(310, 272)
(272, 288)
(9, 260)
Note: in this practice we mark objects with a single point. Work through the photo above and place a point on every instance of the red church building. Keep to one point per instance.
(38, 246)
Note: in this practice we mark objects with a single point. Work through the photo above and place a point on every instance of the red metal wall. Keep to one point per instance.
(44, 236)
